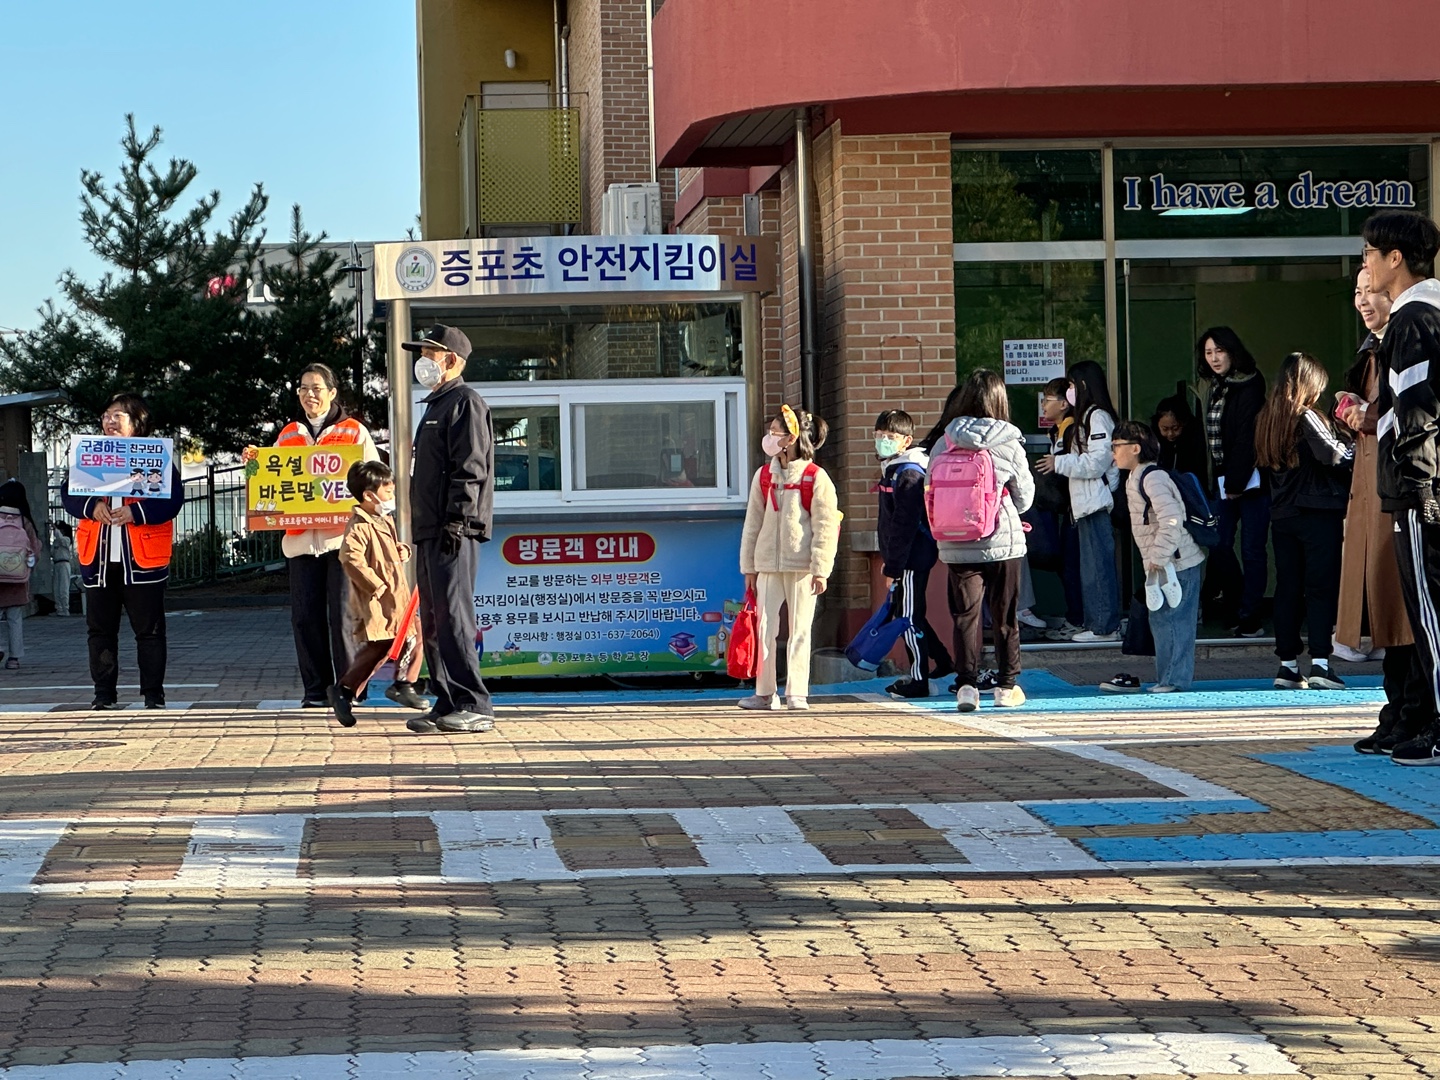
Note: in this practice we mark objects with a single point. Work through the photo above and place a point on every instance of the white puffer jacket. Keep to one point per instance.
(1089, 467)
(789, 539)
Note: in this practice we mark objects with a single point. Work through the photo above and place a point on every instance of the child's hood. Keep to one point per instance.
(915, 454)
(981, 432)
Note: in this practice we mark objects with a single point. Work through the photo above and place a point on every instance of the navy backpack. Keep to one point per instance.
(1200, 520)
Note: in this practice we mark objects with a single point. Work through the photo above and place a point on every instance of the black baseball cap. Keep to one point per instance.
(444, 337)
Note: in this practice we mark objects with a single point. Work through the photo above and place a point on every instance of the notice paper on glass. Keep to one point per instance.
(132, 468)
(1030, 361)
(1253, 485)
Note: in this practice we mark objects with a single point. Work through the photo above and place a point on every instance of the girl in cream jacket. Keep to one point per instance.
(787, 552)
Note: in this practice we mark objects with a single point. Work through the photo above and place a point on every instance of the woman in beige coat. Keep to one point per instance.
(374, 562)
(1369, 575)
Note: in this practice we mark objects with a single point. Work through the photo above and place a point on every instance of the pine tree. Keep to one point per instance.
(167, 320)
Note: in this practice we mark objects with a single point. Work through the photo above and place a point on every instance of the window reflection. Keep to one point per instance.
(667, 444)
(527, 447)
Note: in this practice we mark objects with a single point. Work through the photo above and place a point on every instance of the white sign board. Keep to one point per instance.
(108, 465)
(1029, 361)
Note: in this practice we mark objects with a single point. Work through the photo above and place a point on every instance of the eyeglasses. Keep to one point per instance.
(1366, 251)
(114, 417)
(1122, 442)
(315, 390)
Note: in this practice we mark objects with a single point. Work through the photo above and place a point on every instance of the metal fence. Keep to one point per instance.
(211, 540)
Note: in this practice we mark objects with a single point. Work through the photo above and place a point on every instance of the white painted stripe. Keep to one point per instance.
(1086, 1054)
(751, 840)
(1002, 836)
(1404, 379)
(23, 846)
(497, 846)
(1384, 424)
(242, 851)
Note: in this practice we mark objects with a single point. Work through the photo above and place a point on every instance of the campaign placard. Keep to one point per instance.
(641, 598)
(1029, 361)
(299, 487)
(111, 465)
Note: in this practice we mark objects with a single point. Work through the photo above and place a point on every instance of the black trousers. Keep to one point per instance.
(1417, 550)
(317, 615)
(145, 605)
(973, 585)
(921, 641)
(1307, 580)
(446, 584)
(1407, 709)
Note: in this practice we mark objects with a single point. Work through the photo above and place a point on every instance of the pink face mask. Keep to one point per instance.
(1070, 394)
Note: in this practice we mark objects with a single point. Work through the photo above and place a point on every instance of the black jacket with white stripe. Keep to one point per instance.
(1321, 480)
(1408, 425)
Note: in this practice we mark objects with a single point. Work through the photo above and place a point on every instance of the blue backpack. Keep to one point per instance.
(1200, 520)
(878, 636)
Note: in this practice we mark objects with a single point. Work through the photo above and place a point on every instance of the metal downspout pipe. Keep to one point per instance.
(402, 439)
(805, 262)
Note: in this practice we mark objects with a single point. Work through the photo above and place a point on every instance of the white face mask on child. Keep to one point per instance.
(386, 506)
(771, 444)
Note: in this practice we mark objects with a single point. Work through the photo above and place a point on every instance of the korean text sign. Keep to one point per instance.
(639, 597)
(1029, 361)
(133, 468)
(300, 487)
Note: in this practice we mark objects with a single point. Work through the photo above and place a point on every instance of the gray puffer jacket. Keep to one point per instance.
(1012, 472)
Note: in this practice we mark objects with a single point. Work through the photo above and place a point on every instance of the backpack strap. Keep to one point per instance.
(1145, 517)
(767, 486)
(806, 486)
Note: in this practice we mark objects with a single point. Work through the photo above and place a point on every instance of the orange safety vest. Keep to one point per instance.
(150, 545)
(349, 432)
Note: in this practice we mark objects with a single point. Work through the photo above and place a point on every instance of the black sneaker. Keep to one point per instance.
(1422, 751)
(341, 701)
(1248, 628)
(154, 701)
(1322, 678)
(906, 689)
(315, 703)
(1286, 679)
(463, 721)
(104, 703)
(940, 671)
(403, 693)
(987, 681)
(422, 725)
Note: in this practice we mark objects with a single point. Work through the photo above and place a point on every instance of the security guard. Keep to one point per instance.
(452, 496)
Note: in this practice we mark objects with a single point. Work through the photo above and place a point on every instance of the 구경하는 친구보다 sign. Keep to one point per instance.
(299, 487)
(132, 468)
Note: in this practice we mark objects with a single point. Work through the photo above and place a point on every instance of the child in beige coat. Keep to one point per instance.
(787, 549)
(374, 563)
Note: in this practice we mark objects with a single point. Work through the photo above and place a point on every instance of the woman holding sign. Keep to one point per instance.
(123, 546)
(317, 583)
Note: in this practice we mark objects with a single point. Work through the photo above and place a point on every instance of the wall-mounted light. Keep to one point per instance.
(511, 59)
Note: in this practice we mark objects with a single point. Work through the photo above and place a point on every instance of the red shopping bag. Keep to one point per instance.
(743, 655)
(403, 633)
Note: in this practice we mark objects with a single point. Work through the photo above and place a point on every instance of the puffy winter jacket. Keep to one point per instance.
(789, 539)
(1012, 472)
(1089, 467)
(1165, 538)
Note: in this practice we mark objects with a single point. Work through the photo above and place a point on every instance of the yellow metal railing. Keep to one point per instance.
(519, 166)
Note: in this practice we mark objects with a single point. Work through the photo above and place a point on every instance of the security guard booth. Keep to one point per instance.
(620, 372)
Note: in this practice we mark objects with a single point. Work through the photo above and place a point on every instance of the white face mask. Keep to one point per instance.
(386, 506)
(771, 444)
(429, 373)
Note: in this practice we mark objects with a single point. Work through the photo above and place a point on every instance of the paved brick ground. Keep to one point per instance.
(109, 953)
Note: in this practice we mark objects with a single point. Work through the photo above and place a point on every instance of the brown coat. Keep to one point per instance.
(374, 559)
(1369, 576)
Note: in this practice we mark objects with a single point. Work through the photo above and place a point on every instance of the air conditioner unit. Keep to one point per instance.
(630, 210)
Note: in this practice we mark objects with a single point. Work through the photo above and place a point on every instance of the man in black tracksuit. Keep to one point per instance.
(1400, 249)
(907, 550)
(452, 496)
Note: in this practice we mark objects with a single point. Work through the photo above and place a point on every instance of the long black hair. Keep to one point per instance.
(13, 493)
(1241, 362)
(1092, 392)
(948, 412)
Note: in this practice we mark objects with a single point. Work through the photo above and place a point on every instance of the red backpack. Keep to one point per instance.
(806, 486)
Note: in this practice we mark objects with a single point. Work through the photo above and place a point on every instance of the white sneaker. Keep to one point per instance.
(1162, 688)
(797, 703)
(1089, 637)
(1009, 697)
(967, 699)
(755, 701)
(1030, 619)
(1349, 655)
(1064, 632)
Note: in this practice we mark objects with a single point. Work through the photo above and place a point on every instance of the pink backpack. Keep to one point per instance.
(962, 496)
(14, 549)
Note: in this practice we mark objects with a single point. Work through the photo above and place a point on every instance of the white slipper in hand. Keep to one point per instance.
(1154, 597)
(1171, 586)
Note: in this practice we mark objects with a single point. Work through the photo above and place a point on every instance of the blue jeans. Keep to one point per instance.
(1174, 630)
(1250, 516)
(1098, 584)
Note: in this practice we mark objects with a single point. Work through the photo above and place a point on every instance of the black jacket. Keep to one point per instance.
(1243, 401)
(904, 531)
(1321, 481)
(1408, 424)
(454, 472)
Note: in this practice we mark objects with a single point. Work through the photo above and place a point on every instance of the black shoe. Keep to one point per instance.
(155, 701)
(907, 689)
(1424, 750)
(1322, 678)
(403, 693)
(423, 725)
(315, 703)
(940, 671)
(987, 681)
(104, 703)
(463, 720)
(1249, 628)
(341, 700)
(1286, 679)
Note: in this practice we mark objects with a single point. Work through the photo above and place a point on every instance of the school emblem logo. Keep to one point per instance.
(415, 269)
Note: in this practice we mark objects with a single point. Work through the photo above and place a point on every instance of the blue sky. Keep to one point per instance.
(315, 99)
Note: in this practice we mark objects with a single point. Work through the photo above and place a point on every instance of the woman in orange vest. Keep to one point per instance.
(123, 546)
(317, 582)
